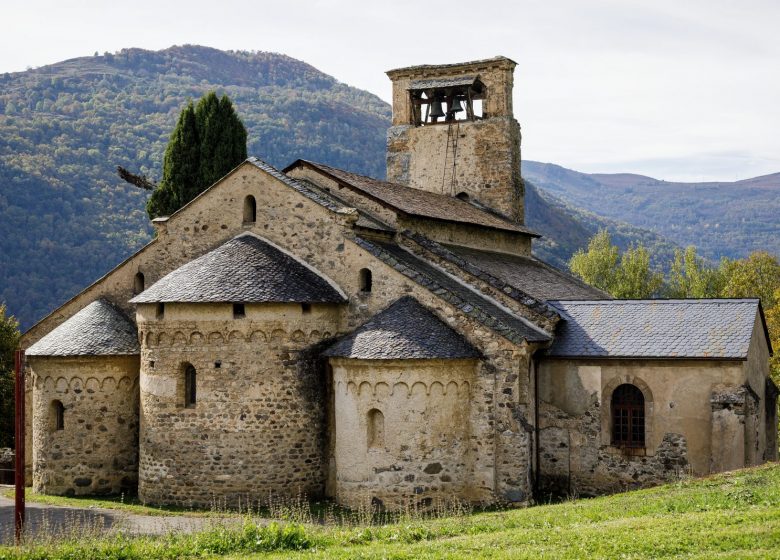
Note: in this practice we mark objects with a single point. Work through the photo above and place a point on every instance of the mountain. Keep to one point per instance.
(729, 219)
(65, 217)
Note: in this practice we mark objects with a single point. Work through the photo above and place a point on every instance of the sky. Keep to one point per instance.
(682, 90)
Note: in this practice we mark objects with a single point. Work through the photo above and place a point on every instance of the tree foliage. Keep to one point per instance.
(690, 277)
(625, 276)
(9, 341)
(209, 140)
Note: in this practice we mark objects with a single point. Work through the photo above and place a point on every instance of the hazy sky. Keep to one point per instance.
(676, 89)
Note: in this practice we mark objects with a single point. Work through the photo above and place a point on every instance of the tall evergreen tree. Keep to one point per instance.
(209, 140)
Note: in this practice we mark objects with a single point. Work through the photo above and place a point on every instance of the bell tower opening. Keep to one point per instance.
(454, 131)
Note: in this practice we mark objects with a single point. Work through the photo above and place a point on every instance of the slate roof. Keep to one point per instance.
(100, 329)
(532, 276)
(245, 269)
(686, 328)
(416, 202)
(404, 331)
(470, 302)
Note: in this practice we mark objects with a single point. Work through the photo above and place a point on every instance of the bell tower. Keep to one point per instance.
(454, 133)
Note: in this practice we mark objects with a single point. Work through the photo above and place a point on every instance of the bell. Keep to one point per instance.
(436, 110)
(455, 106)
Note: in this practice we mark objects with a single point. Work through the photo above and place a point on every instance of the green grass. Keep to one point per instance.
(734, 515)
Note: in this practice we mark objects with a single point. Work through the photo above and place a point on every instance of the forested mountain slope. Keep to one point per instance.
(720, 218)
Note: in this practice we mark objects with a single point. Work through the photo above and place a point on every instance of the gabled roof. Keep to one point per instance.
(100, 329)
(416, 202)
(404, 331)
(245, 269)
(470, 302)
(683, 328)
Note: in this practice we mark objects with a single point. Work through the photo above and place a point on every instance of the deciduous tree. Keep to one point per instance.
(9, 341)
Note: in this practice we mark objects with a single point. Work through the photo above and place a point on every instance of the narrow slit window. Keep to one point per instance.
(306, 308)
(239, 311)
(628, 417)
(190, 386)
(376, 428)
(160, 310)
(250, 210)
(366, 281)
(57, 416)
(138, 283)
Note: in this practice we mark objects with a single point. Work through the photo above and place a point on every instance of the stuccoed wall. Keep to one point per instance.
(427, 453)
(692, 425)
(97, 451)
(257, 428)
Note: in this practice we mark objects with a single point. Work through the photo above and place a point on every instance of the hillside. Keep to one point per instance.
(720, 218)
(66, 219)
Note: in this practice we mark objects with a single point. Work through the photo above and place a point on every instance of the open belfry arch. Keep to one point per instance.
(388, 342)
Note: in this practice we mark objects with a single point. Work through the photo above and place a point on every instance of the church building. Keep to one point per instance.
(315, 331)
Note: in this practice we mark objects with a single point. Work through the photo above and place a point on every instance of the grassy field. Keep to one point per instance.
(734, 515)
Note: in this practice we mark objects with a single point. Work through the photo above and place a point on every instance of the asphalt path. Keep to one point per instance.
(47, 521)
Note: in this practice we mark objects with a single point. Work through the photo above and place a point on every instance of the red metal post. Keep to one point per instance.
(19, 511)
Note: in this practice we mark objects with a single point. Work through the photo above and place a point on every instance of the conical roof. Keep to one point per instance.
(404, 331)
(245, 269)
(100, 329)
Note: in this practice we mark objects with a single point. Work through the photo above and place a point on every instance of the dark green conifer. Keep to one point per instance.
(209, 140)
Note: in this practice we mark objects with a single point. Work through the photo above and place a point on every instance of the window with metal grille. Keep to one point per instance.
(628, 417)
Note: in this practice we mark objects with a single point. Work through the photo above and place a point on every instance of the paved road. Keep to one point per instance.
(45, 520)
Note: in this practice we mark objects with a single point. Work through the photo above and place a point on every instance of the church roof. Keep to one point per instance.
(245, 269)
(532, 276)
(416, 202)
(470, 302)
(100, 329)
(404, 331)
(682, 328)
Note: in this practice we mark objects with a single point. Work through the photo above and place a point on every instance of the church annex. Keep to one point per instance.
(310, 330)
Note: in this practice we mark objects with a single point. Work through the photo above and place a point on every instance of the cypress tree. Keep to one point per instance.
(223, 138)
(209, 140)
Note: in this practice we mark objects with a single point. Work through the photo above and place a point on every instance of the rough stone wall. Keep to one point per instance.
(97, 451)
(426, 452)
(487, 163)
(573, 461)
(465, 235)
(257, 428)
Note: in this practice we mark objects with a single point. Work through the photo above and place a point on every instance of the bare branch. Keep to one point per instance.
(139, 181)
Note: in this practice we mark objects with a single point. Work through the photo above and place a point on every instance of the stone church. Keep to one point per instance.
(311, 330)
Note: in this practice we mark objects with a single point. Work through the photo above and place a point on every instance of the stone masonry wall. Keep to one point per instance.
(425, 452)
(97, 450)
(257, 428)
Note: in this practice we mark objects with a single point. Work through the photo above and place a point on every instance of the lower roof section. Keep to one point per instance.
(404, 331)
(100, 329)
(245, 269)
(671, 329)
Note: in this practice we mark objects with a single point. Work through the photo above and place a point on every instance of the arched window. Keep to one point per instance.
(190, 386)
(376, 428)
(250, 210)
(138, 283)
(57, 416)
(628, 416)
(365, 280)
